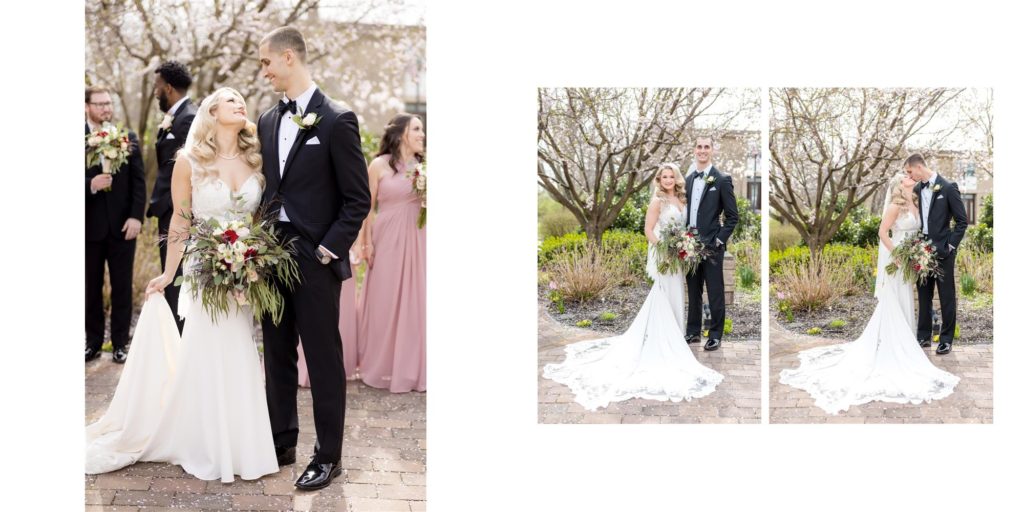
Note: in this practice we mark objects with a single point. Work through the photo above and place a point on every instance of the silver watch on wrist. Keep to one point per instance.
(322, 256)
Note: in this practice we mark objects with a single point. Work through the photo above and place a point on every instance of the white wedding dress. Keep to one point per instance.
(198, 401)
(885, 363)
(650, 360)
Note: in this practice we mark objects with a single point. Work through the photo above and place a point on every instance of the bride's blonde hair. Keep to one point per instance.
(679, 190)
(201, 144)
(896, 192)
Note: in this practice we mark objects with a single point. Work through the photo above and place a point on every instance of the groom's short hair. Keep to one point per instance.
(915, 159)
(710, 139)
(286, 38)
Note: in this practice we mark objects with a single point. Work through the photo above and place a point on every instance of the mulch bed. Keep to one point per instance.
(625, 301)
(974, 317)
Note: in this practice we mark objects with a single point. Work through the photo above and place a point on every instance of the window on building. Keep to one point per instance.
(754, 194)
(969, 206)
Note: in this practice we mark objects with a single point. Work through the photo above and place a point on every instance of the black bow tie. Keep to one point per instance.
(283, 107)
(700, 175)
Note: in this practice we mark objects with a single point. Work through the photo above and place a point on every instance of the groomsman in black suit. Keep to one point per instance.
(171, 87)
(709, 194)
(113, 219)
(939, 203)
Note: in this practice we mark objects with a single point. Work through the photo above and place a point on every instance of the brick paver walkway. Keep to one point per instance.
(384, 456)
(736, 400)
(971, 401)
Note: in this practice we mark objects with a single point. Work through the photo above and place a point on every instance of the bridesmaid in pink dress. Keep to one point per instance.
(348, 324)
(392, 322)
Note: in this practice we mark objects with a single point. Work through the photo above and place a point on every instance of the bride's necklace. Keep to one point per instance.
(226, 157)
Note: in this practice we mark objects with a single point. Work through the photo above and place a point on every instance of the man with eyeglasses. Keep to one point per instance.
(114, 206)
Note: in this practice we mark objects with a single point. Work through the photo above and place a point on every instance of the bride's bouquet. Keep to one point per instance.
(237, 260)
(916, 257)
(418, 176)
(112, 143)
(679, 249)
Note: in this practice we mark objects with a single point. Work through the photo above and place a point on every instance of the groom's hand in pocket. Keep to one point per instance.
(131, 229)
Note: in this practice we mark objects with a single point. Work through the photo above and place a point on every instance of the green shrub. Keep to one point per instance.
(956, 331)
(727, 330)
(631, 218)
(859, 228)
(556, 299)
(748, 254)
(837, 324)
(584, 323)
(978, 238)
(607, 316)
(858, 261)
(625, 245)
(749, 225)
(968, 285)
(814, 330)
(747, 277)
(987, 212)
(781, 236)
(786, 310)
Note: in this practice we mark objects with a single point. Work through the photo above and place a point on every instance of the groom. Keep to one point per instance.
(316, 186)
(708, 194)
(939, 203)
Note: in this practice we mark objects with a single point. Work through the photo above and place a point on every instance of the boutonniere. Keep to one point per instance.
(936, 187)
(709, 180)
(306, 122)
(165, 124)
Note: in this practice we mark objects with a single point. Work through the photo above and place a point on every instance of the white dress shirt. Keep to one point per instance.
(174, 108)
(697, 192)
(926, 201)
(288, 133)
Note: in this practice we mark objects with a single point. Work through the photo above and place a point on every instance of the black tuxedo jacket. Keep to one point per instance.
(718, 197)
(106, 212)
(168, 142)
(324, 187)
(946, 205)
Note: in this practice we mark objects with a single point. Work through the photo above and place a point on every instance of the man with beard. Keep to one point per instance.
(171, 85)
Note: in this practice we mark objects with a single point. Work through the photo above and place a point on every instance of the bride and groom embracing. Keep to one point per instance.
(652, 359)
(199, 400)
(886, 362)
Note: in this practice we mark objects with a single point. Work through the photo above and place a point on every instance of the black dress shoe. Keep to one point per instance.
(924, 343)
(318, 475)
(712, 344)
(120, 355)
(285, 456)
(944, 347)
(692, 338)
(91, 353)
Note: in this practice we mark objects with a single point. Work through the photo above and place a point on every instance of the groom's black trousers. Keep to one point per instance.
(118, 255)
(708, 273)
(947, 301)
(311, 312)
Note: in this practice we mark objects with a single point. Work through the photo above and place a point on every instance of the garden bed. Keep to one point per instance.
(624, 301)
(974, 314)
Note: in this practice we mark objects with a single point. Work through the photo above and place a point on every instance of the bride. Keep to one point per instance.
(885, 363)
(198, 401)
(651, 359)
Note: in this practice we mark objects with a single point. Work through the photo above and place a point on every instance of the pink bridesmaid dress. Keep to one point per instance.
(348, 324)
(392, 322)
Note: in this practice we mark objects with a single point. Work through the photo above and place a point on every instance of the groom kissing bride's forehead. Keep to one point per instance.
(317, 188)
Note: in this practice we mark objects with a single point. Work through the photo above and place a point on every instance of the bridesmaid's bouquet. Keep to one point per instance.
(916, 257)
(112, 144)
(418, 176)
(238, 259)
(679, 249)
